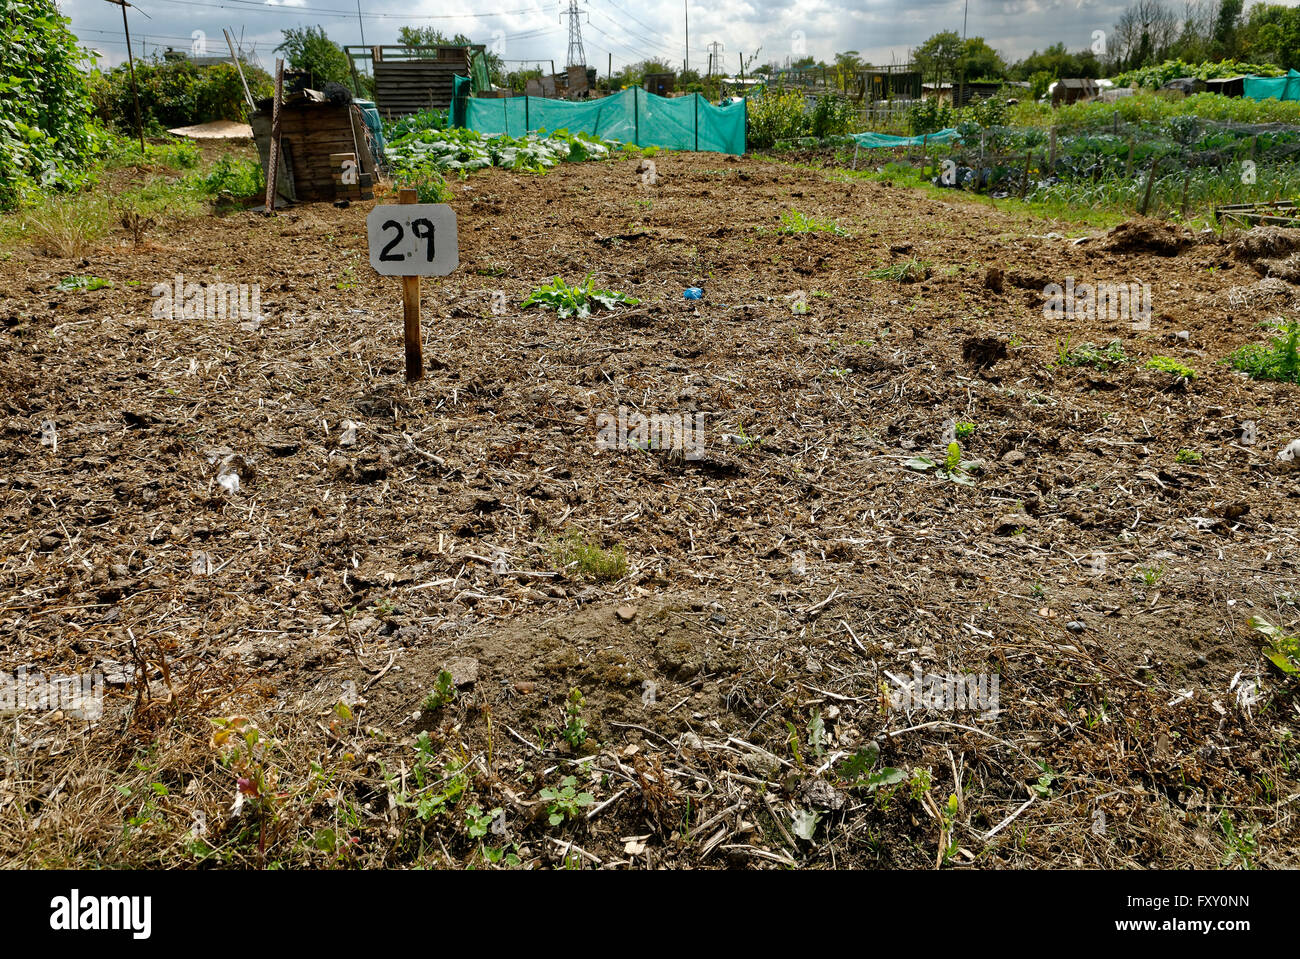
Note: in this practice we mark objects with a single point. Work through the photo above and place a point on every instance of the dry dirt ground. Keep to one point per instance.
(779, 591)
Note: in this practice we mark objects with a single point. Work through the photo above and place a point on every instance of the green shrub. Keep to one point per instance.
(831, 116)
(775, 115)
(46, 132)
(1157, 75)
(176, 94)
(1277, 361)
(928, 116)
(236, 176)
(424, 120)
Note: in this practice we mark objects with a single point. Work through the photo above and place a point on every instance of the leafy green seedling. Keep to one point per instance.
(566, 802)
(577, 300)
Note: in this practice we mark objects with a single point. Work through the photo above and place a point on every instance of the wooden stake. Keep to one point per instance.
(1024, 184)
(411, 312)
(273, 151)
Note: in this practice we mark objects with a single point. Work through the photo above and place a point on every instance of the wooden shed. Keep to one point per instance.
(1074, 89)
(660, 83)
(888, 83)
(1227, 86)
(411, 79)
(317, 136)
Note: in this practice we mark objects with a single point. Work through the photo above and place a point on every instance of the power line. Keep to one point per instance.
(143, 36)
(631, 16)
(658, 45)
(254, 6)
(636, 54)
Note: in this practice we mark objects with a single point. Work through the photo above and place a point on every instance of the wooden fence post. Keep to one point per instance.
(411, 312)
(273, 149)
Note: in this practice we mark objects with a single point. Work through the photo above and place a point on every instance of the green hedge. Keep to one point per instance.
(176, 94)
(46, 131)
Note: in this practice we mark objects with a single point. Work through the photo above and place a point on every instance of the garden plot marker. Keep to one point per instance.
(412, 240)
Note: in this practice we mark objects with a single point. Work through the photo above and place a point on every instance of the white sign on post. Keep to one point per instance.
(413, 239)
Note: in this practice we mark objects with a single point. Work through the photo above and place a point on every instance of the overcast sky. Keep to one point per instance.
(631, 30)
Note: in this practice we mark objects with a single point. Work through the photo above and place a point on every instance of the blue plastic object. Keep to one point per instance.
(693, 293)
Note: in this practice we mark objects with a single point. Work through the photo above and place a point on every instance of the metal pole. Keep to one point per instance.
(247, 95)
(686, 11)
(130, 59)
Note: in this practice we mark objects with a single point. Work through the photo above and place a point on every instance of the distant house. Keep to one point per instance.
(1074, 90)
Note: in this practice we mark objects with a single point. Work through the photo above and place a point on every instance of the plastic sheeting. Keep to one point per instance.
(631, 116)
(370, 114)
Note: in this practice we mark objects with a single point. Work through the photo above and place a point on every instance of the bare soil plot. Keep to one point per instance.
(779, 589)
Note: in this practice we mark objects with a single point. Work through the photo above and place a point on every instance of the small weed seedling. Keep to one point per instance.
(857, 770)
(575, 727)
(1100, 358)
(587, 559)
(1238, 846)
(443, 692)
(565, 802)
(1046, 781)
(963, 429)
(84, 283)
(477, 822)
(577, 300)
(954, 468)
(910, 271)
(1283, 651)
(792, 221)
(433, 792)
(1167, 364)
(1187, 456)
(948, 842)
(1150, 575)
(743, 440)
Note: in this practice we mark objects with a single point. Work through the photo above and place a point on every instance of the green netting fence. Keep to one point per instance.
(1269, 88)
(874, 141)
(631, 116)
